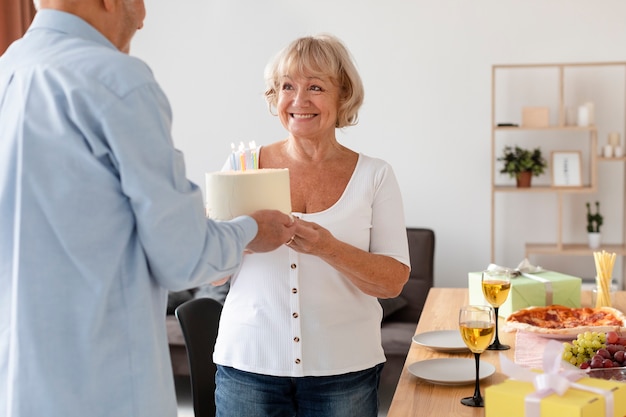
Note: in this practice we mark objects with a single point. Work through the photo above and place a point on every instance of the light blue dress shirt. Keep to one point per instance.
(97, 223)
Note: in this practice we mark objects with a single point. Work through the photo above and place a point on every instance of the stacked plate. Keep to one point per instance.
(447, 371)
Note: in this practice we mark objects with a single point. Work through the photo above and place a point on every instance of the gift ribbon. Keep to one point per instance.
(549, 300)
(546, 283)
(552, 381)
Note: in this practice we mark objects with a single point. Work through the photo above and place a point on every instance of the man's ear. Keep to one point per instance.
(109, 5)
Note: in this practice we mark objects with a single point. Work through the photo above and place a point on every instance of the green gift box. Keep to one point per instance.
(528, 292)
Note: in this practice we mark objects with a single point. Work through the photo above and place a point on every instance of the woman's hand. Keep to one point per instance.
(376, 275)
(309, 238)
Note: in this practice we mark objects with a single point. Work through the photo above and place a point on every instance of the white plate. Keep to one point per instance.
(450, 371)
(442, 341)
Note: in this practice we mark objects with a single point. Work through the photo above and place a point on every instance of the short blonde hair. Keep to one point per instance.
(320, 56)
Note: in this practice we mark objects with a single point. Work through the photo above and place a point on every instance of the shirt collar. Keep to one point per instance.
(68, 23)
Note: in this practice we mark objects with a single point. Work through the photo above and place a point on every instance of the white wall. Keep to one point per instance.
(426, 66)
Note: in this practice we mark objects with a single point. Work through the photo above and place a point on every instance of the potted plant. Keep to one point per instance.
(594, 221)
(522, 164)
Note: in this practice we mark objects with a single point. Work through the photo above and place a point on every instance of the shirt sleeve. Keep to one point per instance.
(182, 246)
(388, 234)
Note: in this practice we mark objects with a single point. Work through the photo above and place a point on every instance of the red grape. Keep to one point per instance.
(619, 356)
(612, 337)
(596, 363)
(604, 353)
(607, 363)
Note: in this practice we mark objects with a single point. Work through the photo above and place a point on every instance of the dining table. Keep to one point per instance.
(415, 396)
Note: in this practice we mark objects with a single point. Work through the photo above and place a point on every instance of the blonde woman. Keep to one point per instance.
(300, 329)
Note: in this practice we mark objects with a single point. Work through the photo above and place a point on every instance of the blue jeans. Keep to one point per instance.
(245, 394)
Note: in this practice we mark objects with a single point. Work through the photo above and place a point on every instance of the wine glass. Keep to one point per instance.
(496, 285)
(477, 325)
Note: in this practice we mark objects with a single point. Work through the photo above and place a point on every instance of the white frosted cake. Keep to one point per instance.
(234, 193)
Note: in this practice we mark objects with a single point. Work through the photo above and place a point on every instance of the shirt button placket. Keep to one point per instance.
(295, 308)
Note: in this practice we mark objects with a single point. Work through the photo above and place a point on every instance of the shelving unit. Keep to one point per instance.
(586, 139)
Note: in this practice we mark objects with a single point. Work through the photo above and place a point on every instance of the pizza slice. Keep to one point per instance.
(561, 320)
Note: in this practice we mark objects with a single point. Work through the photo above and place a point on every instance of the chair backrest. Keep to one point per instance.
(199, 320)
(421, 279)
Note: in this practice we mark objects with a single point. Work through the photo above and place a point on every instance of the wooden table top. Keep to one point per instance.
(415, 397)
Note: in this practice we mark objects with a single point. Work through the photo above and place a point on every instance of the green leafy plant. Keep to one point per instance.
(518, 160)
(594, 221)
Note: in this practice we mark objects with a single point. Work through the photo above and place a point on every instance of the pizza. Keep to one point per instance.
(561, 320)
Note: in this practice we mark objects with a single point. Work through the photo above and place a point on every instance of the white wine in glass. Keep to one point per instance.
(496, 286)
(477, 326)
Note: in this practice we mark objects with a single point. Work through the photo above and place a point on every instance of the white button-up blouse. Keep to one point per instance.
(292, 314)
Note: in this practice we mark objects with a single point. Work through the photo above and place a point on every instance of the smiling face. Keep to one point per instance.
(307, 106)
(314, 77)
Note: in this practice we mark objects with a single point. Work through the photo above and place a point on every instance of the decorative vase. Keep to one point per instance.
(523, 179)
(594, 240)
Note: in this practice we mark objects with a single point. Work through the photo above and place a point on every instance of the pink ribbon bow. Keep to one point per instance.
(553, 380)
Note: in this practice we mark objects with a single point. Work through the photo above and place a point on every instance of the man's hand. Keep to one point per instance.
(275, 228)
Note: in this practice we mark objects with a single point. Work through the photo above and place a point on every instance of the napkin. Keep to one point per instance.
(529, 350)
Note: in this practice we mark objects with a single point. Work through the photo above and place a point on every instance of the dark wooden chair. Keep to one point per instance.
(199, 320)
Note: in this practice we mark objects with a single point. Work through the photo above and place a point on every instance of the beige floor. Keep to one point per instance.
(185, 405)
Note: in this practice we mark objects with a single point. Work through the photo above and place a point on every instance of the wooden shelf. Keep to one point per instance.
(543, 189)
(552, 128)
(560, 132)
(561, 65)
(573, 249)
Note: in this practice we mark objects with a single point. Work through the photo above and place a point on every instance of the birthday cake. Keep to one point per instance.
(234, 193)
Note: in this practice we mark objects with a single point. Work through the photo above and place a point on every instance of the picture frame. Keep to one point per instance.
(567, 169)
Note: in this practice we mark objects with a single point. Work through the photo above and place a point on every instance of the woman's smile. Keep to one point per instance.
(303, 115)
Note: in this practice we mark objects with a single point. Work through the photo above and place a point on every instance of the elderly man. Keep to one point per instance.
(97, 220)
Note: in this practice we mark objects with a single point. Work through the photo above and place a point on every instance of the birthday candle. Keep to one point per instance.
(253, 152)
(242, 156)
(233, 160)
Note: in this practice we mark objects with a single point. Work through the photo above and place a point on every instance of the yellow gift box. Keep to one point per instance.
(508, 399)
(528, 292)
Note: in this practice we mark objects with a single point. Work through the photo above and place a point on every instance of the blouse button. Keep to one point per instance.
(293, 266)
(296, 339)
(297, 361)
(294, 290)
(295, 315)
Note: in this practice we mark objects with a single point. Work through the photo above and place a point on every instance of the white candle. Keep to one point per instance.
(618, 152)
(607, 151)
(592, 113)
(583, 116)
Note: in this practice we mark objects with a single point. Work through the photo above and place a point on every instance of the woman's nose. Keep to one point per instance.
(301, 97)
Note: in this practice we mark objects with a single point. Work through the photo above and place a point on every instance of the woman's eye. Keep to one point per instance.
(316, 88)
(287, 87)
